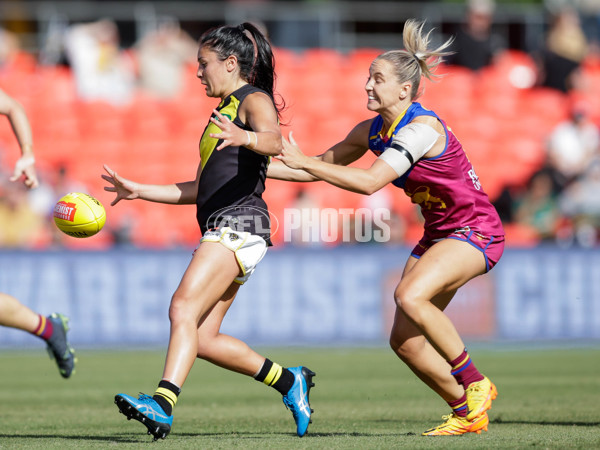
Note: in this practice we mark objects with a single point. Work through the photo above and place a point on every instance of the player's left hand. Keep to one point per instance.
(25, 167)
(230, 133)
(291, 155)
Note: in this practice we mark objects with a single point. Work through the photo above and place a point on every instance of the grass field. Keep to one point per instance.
(364, 399)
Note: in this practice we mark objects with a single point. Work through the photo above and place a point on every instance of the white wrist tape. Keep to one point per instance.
(409, 145)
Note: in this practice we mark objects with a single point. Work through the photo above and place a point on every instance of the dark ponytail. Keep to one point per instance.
(253, 52)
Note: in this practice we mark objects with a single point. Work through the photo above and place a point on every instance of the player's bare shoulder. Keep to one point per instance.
(360, 132)
(257, 103)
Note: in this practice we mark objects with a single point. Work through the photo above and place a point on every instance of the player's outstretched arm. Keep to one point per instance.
(125, 189)
(362, 181)
(277, 170)
(25, 166)
(343, 153)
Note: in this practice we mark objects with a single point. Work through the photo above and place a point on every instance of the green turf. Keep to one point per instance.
(364, 399)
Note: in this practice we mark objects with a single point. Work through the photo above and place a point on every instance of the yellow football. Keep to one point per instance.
(79, 215)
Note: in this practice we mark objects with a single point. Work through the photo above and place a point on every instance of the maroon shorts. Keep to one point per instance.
(491, 246)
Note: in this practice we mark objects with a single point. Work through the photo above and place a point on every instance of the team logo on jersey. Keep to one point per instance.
(423, 198)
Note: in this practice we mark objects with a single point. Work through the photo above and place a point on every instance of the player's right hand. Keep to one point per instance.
(25, 167)
(124, 188)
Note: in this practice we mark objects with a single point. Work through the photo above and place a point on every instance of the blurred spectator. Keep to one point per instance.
(9, 46)
(475, 45)
(580, 203)
(12, 55)
(505, 202)
(565, 48)
(538, 206)
(572, 145)
(590, 21)
(102, 71)
(20, 225)
(163, 56)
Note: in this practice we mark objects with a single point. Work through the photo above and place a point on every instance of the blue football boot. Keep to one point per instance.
(58, 347)
(145, 410)
(297, 398)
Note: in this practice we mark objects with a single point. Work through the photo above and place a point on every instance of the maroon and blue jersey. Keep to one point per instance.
(445, 187)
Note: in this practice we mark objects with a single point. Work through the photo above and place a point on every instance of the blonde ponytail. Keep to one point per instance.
(416, 60)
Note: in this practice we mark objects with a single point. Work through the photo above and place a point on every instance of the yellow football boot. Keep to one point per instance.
(479, 397)
(454, 425)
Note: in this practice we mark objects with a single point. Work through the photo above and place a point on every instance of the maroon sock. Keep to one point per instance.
(464, 370)
(44, 328)
(460, 406)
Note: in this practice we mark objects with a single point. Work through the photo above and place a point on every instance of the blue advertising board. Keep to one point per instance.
(302, 296)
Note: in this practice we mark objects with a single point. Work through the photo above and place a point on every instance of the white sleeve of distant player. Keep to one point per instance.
(409, 145)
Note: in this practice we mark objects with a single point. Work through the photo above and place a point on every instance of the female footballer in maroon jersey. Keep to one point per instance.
(463, 236)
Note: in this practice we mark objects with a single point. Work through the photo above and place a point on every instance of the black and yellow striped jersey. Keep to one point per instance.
(232, 180)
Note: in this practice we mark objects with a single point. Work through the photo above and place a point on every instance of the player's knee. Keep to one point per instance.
(408, 300)
(179, 310)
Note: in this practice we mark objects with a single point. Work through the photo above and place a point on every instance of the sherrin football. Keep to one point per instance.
(79, 215)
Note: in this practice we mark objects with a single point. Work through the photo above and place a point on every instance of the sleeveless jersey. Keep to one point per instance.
(232, 179)
(445, 187)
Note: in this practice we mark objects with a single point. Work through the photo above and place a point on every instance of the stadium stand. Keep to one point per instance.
(501, 119)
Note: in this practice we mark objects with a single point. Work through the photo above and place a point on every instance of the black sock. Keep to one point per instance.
(166, 396)
(272, 374)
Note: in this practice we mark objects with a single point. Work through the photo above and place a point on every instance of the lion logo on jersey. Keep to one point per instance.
(424, 199)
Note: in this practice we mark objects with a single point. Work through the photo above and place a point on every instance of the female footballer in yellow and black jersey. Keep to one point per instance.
(233, 179)
(236, 65)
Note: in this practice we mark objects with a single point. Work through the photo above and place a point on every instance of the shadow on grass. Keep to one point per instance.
(87, 437)
(559, 424)
(307, 436)
(127, 438)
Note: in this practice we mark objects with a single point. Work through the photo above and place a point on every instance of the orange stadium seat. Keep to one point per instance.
(521, 235)
(591, 75)
(286, 60)
(548, 103)
(20, 61)
(329, 196)
(514, 161)
(56, 87)
(360, 59)
(59, 122)
(20, 86)
(529, 126)
(101, 120)
(525, 151)
(280, 195)
(148, 117)
(517, 68)
(322, 59)
(151, 227)
(491, 180)
(454, 80)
